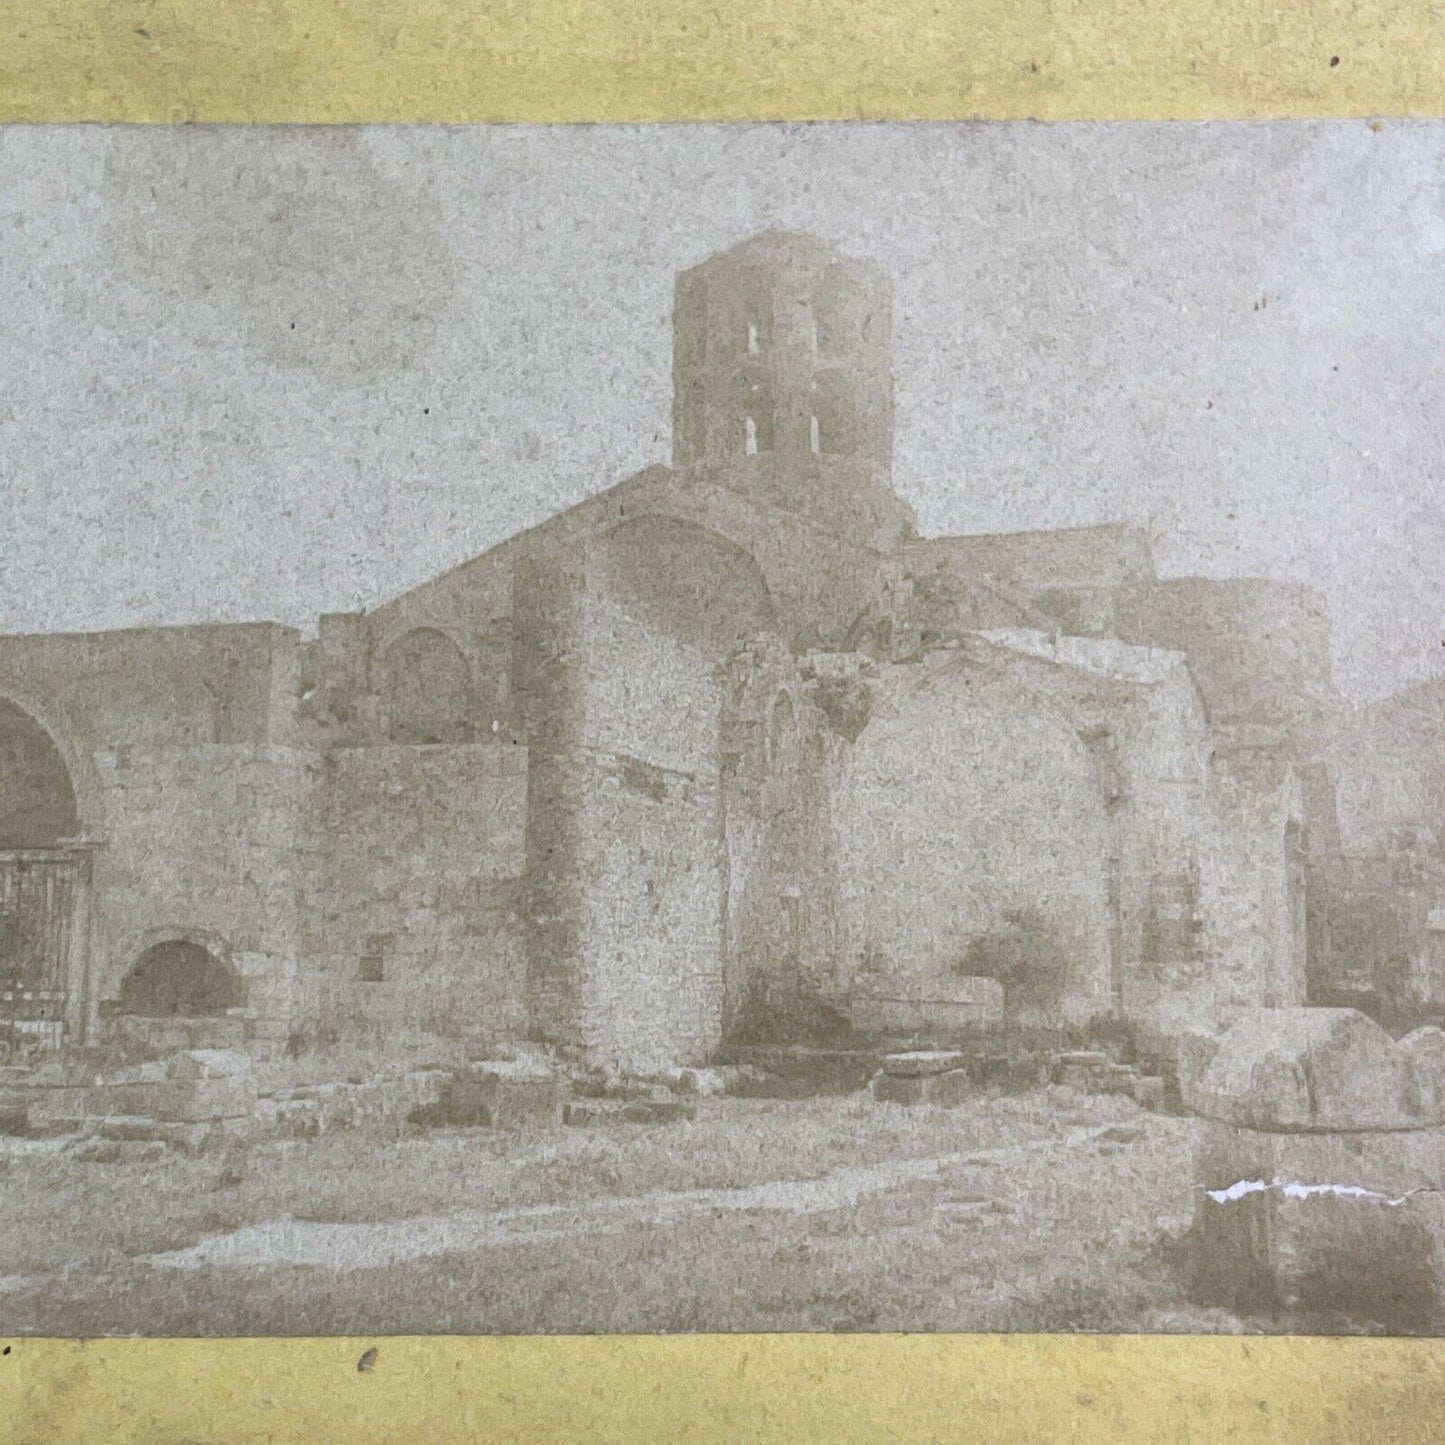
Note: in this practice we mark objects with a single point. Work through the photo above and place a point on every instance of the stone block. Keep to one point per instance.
(1083, 1058)
(945, 1090)
(587, 1112)
(499, 1096)
(1350, 1225)
(94, 1150)
(920, 1063)
(1426, 1050)
(198, 1099)
(208, 1064)
(1149, 1093)
(187, 1138)
(658, 1111)
(1115, 1079)
(703, 1082)
(1317, 1069)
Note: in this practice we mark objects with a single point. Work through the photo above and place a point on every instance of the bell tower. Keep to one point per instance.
(782, 383)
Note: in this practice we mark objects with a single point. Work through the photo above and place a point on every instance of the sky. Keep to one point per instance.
(273, 372)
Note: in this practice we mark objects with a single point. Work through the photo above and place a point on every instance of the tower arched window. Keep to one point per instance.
(757, 426)
(831, 426)
(693, 421)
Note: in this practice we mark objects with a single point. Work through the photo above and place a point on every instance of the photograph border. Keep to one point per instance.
(522, 61)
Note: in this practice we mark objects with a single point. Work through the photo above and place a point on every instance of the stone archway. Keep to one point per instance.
(37, 798)
(180, 978)
(685, 580)
(973, 844)
(45, 885)
(428, 689)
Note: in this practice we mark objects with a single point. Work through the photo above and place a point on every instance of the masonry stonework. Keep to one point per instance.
(726, 753)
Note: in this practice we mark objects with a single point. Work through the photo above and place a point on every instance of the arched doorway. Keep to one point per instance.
(44, 879)
(180, 979)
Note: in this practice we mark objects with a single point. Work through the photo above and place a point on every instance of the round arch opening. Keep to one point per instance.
(37, 797)
(180, 978)
(685, 581)
(973, 844)
(428, 689)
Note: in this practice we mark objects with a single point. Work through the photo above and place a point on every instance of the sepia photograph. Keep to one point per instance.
(722, 728)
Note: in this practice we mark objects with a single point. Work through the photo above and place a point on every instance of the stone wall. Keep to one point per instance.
(201, 844)
(1255, 935)
(182, 752)
(782, 943)
(413, 902)
(623, 896)
(972, 833)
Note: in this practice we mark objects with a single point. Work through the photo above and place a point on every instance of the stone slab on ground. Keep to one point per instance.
(918, 1063)
(187, 1138)
(497, 1096)
(945, 1090)
(196, 1099)
(587, 1112)
(209, 1064)
(704, 1082)
(1115, 1079)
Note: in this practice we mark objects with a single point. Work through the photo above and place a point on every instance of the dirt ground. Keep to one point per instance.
(1010, 1213)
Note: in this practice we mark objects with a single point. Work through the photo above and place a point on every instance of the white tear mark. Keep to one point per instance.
(1294, 1190)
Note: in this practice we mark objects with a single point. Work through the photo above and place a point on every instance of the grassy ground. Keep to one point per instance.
(1052, 1230)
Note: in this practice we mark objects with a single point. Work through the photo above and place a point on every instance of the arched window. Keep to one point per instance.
(752, 304)
(428, 690)
(757, 421)
(831, 427)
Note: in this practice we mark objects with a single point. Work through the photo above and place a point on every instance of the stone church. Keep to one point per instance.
(728, 752)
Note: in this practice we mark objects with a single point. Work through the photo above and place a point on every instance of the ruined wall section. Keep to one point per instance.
(1392, 781)
(623, 885)
(787, 723)
(413, 910)
(973, 837)
(190, 780)
(1138, 715)
(1254, 882)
